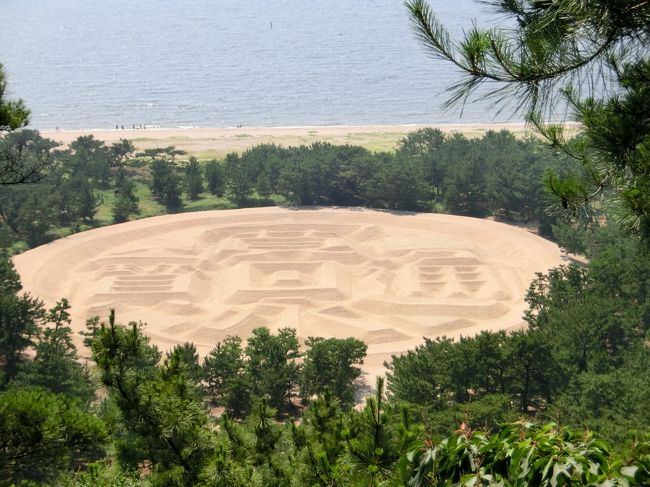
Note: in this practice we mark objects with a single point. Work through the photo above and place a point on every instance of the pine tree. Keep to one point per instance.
(272, 364)
(43, 435)
(227, 378)
(56, 366)
(166, 183)
(13, 113)
(239, 183)
(25, 156)
(215, 177)
(577, 53)
(375, 443)
(20, 320)
(193, 179)
(126, 201)
(332, 364)
(163, 422)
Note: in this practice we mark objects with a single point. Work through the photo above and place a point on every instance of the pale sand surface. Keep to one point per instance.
(216, 142)
(387, 278)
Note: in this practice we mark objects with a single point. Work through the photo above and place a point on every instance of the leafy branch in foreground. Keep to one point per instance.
(553, 44)
(13, 113)
(24, 157)
(523, 454)
(590, 55)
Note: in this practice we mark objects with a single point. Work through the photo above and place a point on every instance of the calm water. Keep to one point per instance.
(91, 64)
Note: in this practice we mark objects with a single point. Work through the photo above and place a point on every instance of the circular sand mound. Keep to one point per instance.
(386, 278)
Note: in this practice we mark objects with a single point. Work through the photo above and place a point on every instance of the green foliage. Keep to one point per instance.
(24, 155)
(396, 185)
(272, 364)
(89, 158)
(215, 177)
(126, 201)
(92, 328)
(66, 189)
(531, 368)
(26, 327)
(162, 422)
(183, 359)
(332, 364)
(43, 434)
(226, 377)
(20, 318)
(424, 375)
(161, 154)
(582, 361)
(523, 454)
(122, 208)
(100, 474)
(73, 201)
(239, 180)
(612, 403)
(9, 279)
(27, 214)
(86, 201)
(162, 435)
(120, 153)
(193, 178)
(55, 366)
(593, 56)
(465, 189)
(376, 443)
(268, 369)
(166, 183)
(321, 443)
(595, 320)
(96, 184)
(13, 113)
(546, 47)
(426, 147)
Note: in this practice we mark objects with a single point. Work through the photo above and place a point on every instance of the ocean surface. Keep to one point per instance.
(223, 63)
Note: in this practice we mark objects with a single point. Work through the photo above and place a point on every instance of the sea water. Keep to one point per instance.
(223, 63)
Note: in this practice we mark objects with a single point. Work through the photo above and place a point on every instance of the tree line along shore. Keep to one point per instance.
(90, 183)
(209, 143)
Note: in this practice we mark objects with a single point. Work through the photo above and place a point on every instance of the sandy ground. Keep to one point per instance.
(216, 142)
(387, 278)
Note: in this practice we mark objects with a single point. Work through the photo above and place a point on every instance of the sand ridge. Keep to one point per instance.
(387, 278)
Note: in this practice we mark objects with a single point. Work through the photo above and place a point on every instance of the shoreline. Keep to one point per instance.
(283, 127)
(215, 142)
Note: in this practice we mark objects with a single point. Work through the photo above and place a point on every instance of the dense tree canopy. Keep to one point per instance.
(44, 434)
(91, 183)
(332, 364)
(583, 359)
(24, 156)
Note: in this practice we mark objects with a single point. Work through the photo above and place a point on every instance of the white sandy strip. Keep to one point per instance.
(387, 278)
(219, 141)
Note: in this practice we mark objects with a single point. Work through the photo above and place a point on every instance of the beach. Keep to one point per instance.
(207, 143)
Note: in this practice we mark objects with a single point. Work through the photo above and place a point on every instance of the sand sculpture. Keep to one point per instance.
(384, 277)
